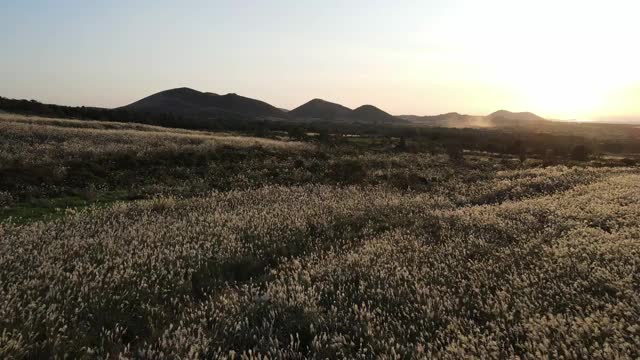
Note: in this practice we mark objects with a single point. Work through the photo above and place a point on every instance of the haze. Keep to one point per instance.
(564, 60)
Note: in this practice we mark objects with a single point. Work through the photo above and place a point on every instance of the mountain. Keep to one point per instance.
(371, 114)
(318, 109)
(247, 106)
(500, 118)
(190, 102)
(207, 105)
(321, 109)
(519, 116)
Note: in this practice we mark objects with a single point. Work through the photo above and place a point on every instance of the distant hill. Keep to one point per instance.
(500, 118)
(320, 109)
(520, 116)
(190, 102)
(207, 105)
(370, 113)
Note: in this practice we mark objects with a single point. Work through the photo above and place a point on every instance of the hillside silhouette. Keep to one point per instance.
(519, 116)
(320, 109)
(500, 118)
(193, 103)
(189, 102)
(370, 113)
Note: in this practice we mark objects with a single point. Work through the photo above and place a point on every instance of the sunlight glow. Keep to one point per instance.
(565, 60)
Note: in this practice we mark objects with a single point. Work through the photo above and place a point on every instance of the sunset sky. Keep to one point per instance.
(560, 59)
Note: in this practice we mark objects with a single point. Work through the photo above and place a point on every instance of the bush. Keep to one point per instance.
(323, 136)
(6, 199)
(522, 155)
(347, 171)
(410, 181)
(298, 163)
(89, 194)
(297, 133)
(580, 153)
(629, 162)
(455, 152)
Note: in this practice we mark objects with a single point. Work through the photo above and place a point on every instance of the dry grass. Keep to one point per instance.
(34, 140)
(322, 271)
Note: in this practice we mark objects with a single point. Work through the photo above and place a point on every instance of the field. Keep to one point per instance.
(135, 241)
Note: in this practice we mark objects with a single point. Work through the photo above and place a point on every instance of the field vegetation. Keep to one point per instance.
(136, 241)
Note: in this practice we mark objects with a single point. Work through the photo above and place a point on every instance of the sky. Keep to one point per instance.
(562, 59)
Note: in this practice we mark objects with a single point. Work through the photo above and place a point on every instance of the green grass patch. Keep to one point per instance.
(47, 209)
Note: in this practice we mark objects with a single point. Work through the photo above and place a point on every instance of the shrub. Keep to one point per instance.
(455, 152)
(89, 193)
(298, 163)
(6, 199)
(297, 133)
(347, 171)
(580, 153)
(629, 162)
(522, 155)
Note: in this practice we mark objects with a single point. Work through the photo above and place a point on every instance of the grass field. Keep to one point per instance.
(159, 243)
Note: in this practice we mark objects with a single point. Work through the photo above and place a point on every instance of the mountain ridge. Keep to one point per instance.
(193, 103)
(190, 102)
(370, 113)
(524, 116)
(500, 118)
(208, 105)
(320, 109)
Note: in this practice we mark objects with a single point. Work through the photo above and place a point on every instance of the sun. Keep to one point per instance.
(566, 100)
(569, 89)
